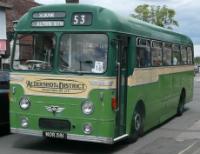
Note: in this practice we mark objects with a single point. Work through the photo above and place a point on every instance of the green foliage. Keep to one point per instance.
(197, 60)
(161, 16)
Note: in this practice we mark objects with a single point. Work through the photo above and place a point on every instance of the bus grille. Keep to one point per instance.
(54, 124)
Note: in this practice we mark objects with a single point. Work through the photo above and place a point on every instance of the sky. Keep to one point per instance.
(187, 13)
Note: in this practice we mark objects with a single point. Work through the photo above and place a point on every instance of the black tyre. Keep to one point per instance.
(137, 125)
(181, 105)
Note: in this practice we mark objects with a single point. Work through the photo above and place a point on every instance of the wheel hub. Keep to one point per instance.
(137, 121)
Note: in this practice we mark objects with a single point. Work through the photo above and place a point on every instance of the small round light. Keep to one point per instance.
(87, 129)
(24, 103)
(87, 107)
(24, 122)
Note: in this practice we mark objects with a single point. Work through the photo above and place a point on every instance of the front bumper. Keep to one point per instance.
(85, 138)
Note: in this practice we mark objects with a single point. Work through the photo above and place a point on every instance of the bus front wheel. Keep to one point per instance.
(137, 125)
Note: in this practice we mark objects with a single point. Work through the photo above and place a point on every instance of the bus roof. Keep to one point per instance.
(103, 20)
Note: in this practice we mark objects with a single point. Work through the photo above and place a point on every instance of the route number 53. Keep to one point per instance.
(81, 19)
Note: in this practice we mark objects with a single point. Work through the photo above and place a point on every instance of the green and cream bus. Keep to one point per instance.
(82, 72)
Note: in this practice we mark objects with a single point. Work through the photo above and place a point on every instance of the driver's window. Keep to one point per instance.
(34, 52)
(23, 44)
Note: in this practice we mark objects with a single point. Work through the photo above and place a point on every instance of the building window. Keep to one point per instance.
(156, 53)
(143, 53)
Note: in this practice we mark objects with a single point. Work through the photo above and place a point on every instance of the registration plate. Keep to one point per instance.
(57, 135)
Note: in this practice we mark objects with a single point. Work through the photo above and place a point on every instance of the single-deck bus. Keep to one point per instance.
(82, 72)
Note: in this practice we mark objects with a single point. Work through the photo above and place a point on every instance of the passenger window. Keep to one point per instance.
(189, 53)
(156, 53)
(167, 54)
(176, 58)
(143, 53)
(183, 55)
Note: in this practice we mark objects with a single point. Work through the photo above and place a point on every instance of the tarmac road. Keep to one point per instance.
(180, 135)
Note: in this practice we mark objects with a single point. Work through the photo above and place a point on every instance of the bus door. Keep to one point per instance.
(121, 89)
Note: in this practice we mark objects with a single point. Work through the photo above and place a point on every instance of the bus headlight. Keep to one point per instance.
(24, 103)
(87, 129)
(87, 107)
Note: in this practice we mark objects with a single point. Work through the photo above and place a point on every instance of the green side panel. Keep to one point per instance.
(160, 98)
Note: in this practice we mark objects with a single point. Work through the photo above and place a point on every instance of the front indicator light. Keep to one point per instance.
(114, 104)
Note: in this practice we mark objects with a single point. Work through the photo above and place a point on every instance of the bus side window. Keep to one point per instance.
(183, 55)
(143, 53)
(167, 54)
(156, 53)
(176, 57)
(189, 52)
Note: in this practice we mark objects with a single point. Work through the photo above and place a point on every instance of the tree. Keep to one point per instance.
(197, 60)
(161, 16)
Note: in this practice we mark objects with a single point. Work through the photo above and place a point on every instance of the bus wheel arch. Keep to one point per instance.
(181, 104)
(137, 122)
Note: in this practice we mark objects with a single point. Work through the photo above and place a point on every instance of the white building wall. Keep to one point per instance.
(2, 24)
